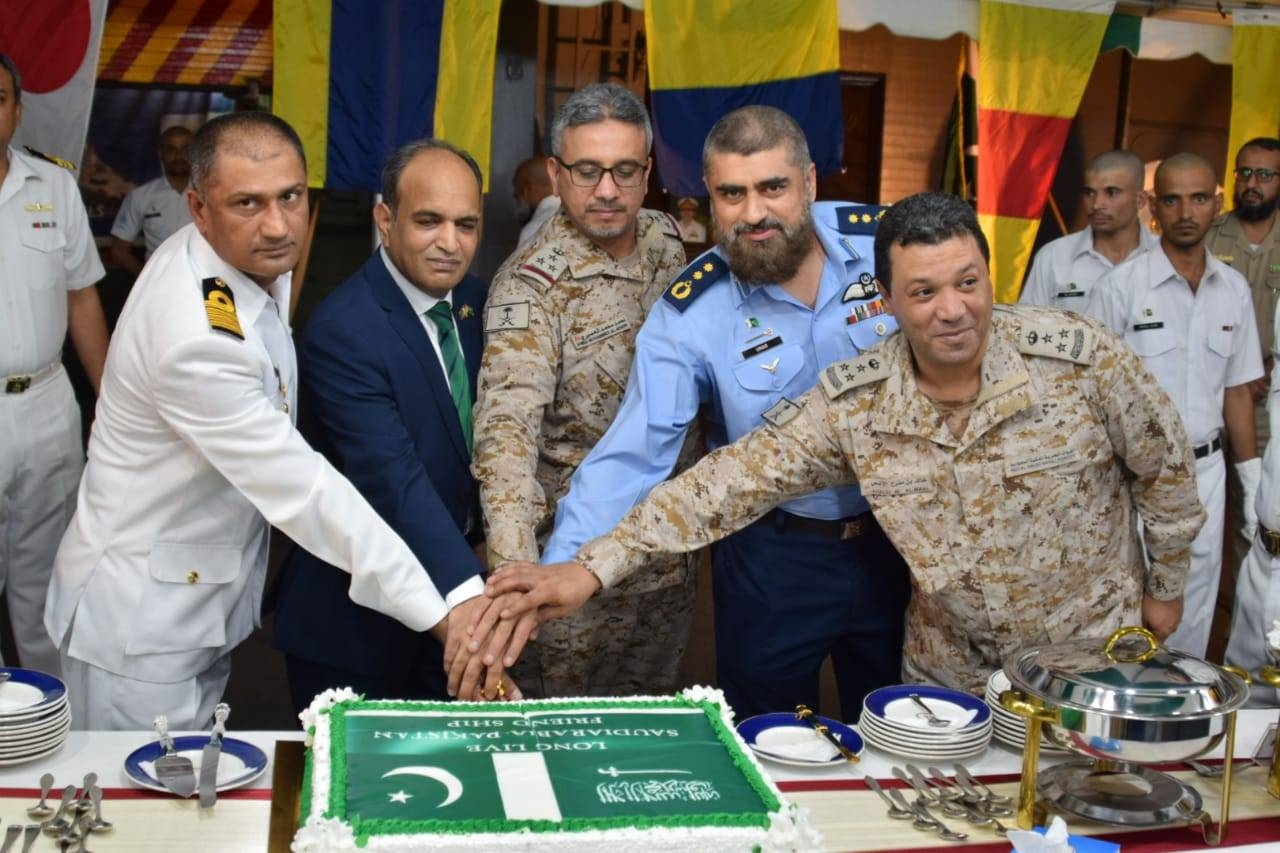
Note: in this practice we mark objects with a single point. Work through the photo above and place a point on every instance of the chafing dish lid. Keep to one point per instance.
(1129, 675)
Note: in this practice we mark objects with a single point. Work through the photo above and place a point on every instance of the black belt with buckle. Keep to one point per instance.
(1208, 447)
(840, 528)
(1270, 540)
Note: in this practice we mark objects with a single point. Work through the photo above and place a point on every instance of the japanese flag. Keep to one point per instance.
(55, 45)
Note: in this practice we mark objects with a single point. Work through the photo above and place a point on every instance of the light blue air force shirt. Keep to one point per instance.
(738, 350)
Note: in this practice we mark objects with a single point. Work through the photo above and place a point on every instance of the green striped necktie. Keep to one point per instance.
(459, 387)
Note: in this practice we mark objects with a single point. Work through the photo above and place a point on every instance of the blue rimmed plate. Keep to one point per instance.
(895, 707)
(782, 738)
(28, 692)
(241, 762)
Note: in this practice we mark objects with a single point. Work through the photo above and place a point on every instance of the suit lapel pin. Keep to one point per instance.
(466, 311)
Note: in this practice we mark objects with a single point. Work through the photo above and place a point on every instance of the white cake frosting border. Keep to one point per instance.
(790, 828)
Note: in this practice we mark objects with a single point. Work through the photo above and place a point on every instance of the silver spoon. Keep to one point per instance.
(920, 821)
(948, 788)
(83, 805)
(944, 832)
(894, 811)
(58, 824)
(43, 809)
(1203, 769)
(962, 773)
(927, 712)
(10, 837)
(949, 807)
(98, 824)
(31, 833)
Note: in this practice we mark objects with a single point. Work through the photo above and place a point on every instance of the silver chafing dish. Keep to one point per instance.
(1122, 704)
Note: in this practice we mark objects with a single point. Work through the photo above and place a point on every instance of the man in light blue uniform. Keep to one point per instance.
(744, 330)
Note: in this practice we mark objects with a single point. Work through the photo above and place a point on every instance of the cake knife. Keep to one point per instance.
(209, 757)
(804, 713)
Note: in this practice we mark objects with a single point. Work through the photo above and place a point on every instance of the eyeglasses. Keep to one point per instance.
(1244, 173)
(626, 174)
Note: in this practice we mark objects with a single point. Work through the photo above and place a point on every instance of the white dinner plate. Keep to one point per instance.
(240, 763)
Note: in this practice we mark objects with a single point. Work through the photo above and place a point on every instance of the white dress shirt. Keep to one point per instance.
(1066, 269)
(155, 209)
(46, 249)
(1196, 344)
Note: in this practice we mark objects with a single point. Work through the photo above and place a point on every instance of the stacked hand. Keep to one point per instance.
(486, 634)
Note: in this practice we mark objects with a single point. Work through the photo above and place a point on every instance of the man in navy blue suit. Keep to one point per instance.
(388, 370)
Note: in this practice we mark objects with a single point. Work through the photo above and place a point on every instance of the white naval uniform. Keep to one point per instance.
(1196, 345)
(1257, 604)
(46, 250)
(192, 456)
(155, 209)
(1065, 270)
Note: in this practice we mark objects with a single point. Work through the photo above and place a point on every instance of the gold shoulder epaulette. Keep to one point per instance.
(220, 308)
(844, 376)
(50, 158)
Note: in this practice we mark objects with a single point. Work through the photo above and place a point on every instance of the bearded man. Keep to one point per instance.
(742, 332)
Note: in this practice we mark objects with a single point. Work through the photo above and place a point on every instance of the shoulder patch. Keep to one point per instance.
(783, 413)
(1067, 341)
(544, 267)
(846, 375)
(693, 281)
(508, 317)
(859, 218)
(220, 308)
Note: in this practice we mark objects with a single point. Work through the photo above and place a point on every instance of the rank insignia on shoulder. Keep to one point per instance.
(509, 317)
(220, 308)
(846, 375)
(859, 218)
(693, 281)
(50, 158)
(1072, 342)
(783, 413)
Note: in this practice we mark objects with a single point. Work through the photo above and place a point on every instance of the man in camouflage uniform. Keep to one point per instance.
(1001, 451)
(560, 327)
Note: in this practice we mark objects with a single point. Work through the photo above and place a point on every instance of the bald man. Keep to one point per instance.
(1190, 318)
(1067, 269)
(535, 196)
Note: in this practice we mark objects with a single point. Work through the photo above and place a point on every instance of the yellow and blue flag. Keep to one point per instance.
(709, 57)
(359, 78)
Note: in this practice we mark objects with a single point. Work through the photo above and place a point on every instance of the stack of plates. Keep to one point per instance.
(892, 722)
(1010, 729)
(34, 716)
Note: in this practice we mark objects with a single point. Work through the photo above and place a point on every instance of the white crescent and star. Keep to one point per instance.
(452, 784)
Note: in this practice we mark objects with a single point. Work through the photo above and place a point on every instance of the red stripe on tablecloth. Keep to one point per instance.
(144, 794)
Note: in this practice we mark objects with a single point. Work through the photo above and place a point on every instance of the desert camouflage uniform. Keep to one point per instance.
(560, 328)
(1018, 533)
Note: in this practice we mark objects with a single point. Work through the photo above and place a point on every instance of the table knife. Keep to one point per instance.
(804, 713)
(209, 757)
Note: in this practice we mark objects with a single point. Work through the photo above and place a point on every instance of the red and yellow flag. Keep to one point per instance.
(1036, 57)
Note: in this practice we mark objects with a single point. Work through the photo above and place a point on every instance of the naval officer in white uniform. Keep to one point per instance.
(48, 266)
(194, 453)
